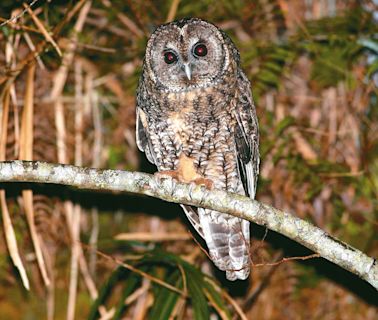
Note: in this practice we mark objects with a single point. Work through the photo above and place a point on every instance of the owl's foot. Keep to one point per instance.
(208, 183)
(173, 174)
(176, 175)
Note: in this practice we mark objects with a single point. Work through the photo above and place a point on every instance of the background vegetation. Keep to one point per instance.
(312, 65)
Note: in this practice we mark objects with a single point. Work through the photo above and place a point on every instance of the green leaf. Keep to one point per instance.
(283, 124)
(373, 68)
(369, 44)
(165, 299)
(105, 291)
(274, 67)
(217, 298)
(131, 284)
(279, 153)
(195, 287)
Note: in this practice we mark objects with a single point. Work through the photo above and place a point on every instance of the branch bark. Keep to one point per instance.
(167, 189)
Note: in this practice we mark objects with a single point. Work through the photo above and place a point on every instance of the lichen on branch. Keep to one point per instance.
(167, 189)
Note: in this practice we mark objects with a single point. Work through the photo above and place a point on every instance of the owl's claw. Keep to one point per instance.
(192, 186)
(207, 183)
(170, 177)
(171, 174)
(175, 175)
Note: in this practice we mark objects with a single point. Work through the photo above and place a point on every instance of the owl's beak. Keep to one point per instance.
(188, 71)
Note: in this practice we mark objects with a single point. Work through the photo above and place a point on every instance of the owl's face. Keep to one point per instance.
(187, 54)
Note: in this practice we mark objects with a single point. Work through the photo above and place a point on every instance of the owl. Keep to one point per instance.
(196, 121)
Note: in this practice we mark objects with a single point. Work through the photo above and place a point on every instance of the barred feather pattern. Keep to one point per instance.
(206, 132)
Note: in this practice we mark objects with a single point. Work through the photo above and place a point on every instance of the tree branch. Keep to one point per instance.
(167, 189)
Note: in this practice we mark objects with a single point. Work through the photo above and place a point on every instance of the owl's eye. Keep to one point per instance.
(169, 57)
(200, 50)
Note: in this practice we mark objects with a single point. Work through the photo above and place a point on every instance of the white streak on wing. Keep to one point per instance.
(148, 149)
(237, 116)
(138, 121)
(251, 178)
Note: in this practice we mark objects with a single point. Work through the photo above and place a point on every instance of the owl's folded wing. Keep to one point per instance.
(142, 138)
(247, 137)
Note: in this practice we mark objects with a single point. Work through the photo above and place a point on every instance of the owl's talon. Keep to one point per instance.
(207, 183)
(169, 174)
(192, 186)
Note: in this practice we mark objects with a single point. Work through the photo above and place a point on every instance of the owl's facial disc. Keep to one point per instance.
(185, 57)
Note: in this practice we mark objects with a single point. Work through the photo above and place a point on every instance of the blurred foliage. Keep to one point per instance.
(314, 77)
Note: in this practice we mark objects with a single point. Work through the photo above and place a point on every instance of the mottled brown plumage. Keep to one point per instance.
(196, 121)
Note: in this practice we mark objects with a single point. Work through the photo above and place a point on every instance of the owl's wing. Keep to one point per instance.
(228, 237)
(192, 215)
(143, 102)
(142, 136)
(247, 137)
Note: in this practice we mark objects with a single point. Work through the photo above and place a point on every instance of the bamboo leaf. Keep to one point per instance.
(106, 290)
(165, 300)
(283, 124)
(195, 287)
(216, 298)
(131, 284)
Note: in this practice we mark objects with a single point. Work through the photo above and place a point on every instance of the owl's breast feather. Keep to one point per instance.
(178, 125)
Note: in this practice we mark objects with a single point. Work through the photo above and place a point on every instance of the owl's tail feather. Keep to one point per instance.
(227, 238)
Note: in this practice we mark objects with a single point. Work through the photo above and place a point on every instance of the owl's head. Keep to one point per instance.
(187, 54)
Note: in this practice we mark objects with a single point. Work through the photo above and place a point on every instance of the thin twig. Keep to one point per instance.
(43, 30)
(31, 46)
(10, 20)
(140, 272)
(130, 24)
(311, 256)
(153, 237)
(172, 10)
(255, 292)
(221, 312)
(141, 306)
(136, 294)
(17, 26)
(201, 247)
(234, 304)
(341, 174)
